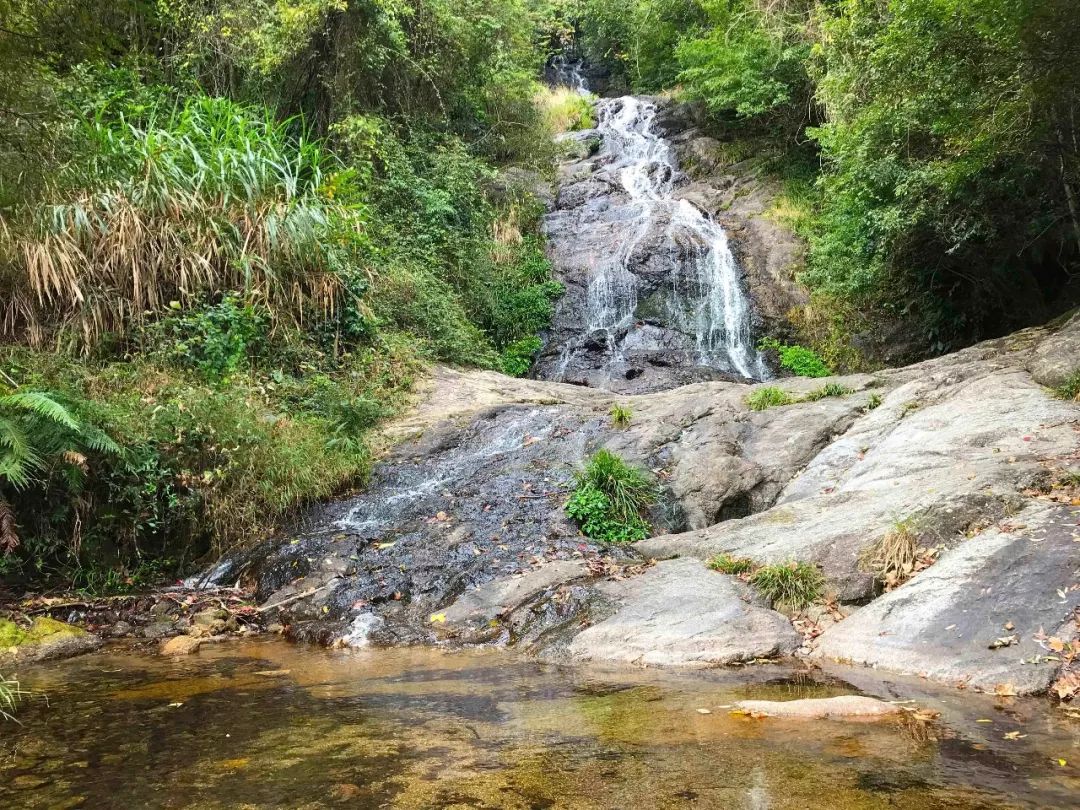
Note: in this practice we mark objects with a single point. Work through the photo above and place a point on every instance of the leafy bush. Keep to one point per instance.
(41, 440)
(726, 564)
(609, 496)
(793, 585)
(799, 360)
(517, 358)
(767, 397)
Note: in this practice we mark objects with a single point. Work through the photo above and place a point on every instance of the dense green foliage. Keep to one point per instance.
(609, 497)
(799, 360)
(929, 148)
(232, 230)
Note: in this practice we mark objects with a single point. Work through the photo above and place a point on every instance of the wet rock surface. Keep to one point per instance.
(461, 535)
(654, 298)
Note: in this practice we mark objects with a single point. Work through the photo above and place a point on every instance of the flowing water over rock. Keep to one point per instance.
(654, 296)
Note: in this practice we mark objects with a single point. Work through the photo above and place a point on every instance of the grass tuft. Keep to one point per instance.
(767, 397)
(726, 564)
(898, 556)
(828, 390)
(620, 416)
(10, 695)
(1070, 389)
(794, 585)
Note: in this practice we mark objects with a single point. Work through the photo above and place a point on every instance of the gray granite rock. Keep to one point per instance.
(972, 618)
(679, 613)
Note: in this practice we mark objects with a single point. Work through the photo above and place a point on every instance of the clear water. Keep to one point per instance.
(266, 724)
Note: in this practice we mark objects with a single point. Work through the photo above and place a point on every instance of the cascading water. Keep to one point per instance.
(655, 296)
(707, 299)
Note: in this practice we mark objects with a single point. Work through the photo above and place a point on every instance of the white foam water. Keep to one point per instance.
(709, 300)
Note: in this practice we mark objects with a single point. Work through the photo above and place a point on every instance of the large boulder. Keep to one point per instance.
(975, 617)
(679, 613)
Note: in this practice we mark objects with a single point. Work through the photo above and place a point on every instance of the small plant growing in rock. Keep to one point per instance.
(609, 497)
(767, 397)
(898, 556)
(1070, 389)
(794, 584)
(799, 360)
(828, 390)
(873, 402)
(726, 564)
(909, 407)
(620, 416)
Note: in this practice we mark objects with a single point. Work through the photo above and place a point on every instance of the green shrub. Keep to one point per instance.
(794, 585)
(873, 402)
(799, 360)
(726, 564)
(517, 358)
(767, 397)
(608, 498)
(1070, 389)
(620, 416)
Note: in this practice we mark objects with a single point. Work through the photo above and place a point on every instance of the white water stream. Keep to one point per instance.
(707, 296)
(706, 286)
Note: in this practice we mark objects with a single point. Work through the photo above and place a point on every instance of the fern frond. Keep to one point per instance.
(40, 404)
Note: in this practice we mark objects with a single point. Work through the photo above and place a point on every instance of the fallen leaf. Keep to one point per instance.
(1014, 735)
(438, 617)
(1005, 690)
(704, 711)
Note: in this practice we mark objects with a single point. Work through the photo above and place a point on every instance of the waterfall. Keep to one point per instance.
(706, 284)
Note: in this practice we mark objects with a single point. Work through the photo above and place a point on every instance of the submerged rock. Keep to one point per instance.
(181, 645)
(842, 707)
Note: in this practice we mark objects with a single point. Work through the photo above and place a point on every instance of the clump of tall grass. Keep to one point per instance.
(792, 584)
(768, 397)
(565, 110)
(609, 497)
(181, 201)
